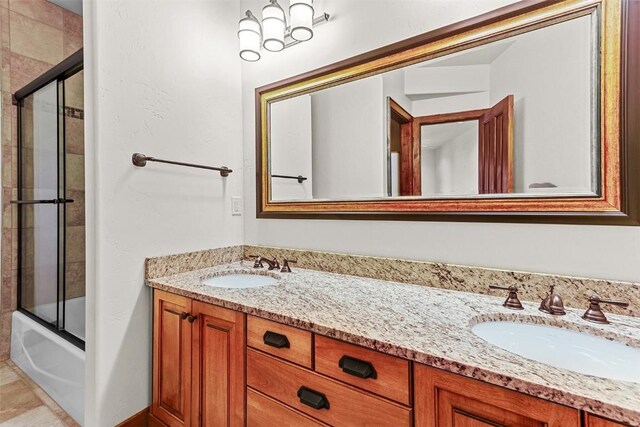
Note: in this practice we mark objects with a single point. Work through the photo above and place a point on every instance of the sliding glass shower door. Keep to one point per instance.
(51, 206)
(38, 210)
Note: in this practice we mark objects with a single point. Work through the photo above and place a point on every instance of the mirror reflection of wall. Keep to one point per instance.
(440, 128)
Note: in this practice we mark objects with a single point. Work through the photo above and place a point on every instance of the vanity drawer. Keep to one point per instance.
(263, 411)
(376, 372)
(347, 406)
(280, 340)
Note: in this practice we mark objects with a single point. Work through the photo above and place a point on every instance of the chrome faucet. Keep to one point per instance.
(552, 304)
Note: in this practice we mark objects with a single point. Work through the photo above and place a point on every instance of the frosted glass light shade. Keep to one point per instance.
(273, 26)
(301, 12)
(250, 36)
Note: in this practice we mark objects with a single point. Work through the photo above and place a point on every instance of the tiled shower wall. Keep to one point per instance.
(35, 35)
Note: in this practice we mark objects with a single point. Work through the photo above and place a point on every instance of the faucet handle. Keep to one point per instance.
(512, 300)
(285, 265)
(594, 312)
(258, 262)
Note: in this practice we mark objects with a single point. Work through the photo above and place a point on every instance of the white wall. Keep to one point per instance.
(348, 131)
(163, 79)
(551, 139)
(594, 251)
(451, 168)
(290, 150)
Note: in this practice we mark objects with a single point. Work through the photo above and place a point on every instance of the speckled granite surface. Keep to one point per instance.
(424, 324)
(174, 264)
(532, 286)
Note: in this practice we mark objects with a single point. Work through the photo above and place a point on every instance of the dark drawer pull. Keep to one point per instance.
(312, 398)
(275, 340)
(357, 368)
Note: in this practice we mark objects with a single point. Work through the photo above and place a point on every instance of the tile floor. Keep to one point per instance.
(24, 404)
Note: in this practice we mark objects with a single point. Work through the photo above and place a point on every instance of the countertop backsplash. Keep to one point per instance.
(531, 286)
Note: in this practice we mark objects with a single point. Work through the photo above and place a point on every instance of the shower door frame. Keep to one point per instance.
(67, 68)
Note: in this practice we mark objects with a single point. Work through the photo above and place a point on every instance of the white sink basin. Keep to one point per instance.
(240, 281)
(564, 348)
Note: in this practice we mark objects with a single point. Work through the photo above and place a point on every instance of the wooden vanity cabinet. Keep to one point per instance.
(207, 371)
(443, 399)
(198, 363)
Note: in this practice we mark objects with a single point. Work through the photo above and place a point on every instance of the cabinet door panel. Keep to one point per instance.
(593, 421)
(443, 399)
(171, 359)
(218, 366)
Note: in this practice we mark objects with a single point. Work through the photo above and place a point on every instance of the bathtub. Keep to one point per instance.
(55, 364)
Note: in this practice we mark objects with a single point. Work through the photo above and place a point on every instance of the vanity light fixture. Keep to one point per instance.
(301, 12)
(250, 35)
(272, 33)
(274, 25)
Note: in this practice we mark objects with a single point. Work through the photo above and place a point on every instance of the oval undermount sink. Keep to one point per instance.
(564, 348)
(240, 281)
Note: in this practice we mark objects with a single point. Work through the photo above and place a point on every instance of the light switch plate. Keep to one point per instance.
(236, 206)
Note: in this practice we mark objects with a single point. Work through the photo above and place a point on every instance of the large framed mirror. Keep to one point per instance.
(521, 114)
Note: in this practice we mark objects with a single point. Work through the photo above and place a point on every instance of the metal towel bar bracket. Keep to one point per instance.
(140, 160)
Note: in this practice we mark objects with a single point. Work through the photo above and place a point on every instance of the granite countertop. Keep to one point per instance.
(426, 325)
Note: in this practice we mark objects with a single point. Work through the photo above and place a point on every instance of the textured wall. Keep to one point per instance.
(161, 78)
(35, 35)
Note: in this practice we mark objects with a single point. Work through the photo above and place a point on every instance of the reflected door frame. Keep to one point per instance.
(495, 143)
(410, 167)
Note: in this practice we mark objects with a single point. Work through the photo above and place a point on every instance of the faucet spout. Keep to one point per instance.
(553, 303)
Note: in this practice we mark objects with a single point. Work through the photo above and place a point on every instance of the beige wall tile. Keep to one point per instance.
(24, 70)
(74, 129)
(7, 159)
(72, 33)
(5, 335)
(34, 39)
(75, 244)
(4, 35)
(75, 210)
(74, 91)
(75, 279)
(75, 172)
(7, 126)
(39, 10)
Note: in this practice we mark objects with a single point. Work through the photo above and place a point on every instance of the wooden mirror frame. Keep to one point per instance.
(619, 202)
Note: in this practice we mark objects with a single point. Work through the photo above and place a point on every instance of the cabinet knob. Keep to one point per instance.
(312, 398)
(183, 315)
(357, 368)
(191, 318)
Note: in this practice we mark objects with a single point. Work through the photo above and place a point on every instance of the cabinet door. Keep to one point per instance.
(218, 359)
(443, 399)
(593, 421)
(171, 359)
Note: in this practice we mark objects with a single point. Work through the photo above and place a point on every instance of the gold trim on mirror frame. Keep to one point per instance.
(499, 24)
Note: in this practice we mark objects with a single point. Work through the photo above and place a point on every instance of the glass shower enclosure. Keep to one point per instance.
(51, 237)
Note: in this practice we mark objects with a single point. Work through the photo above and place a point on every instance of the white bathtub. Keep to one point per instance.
(55, 364)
